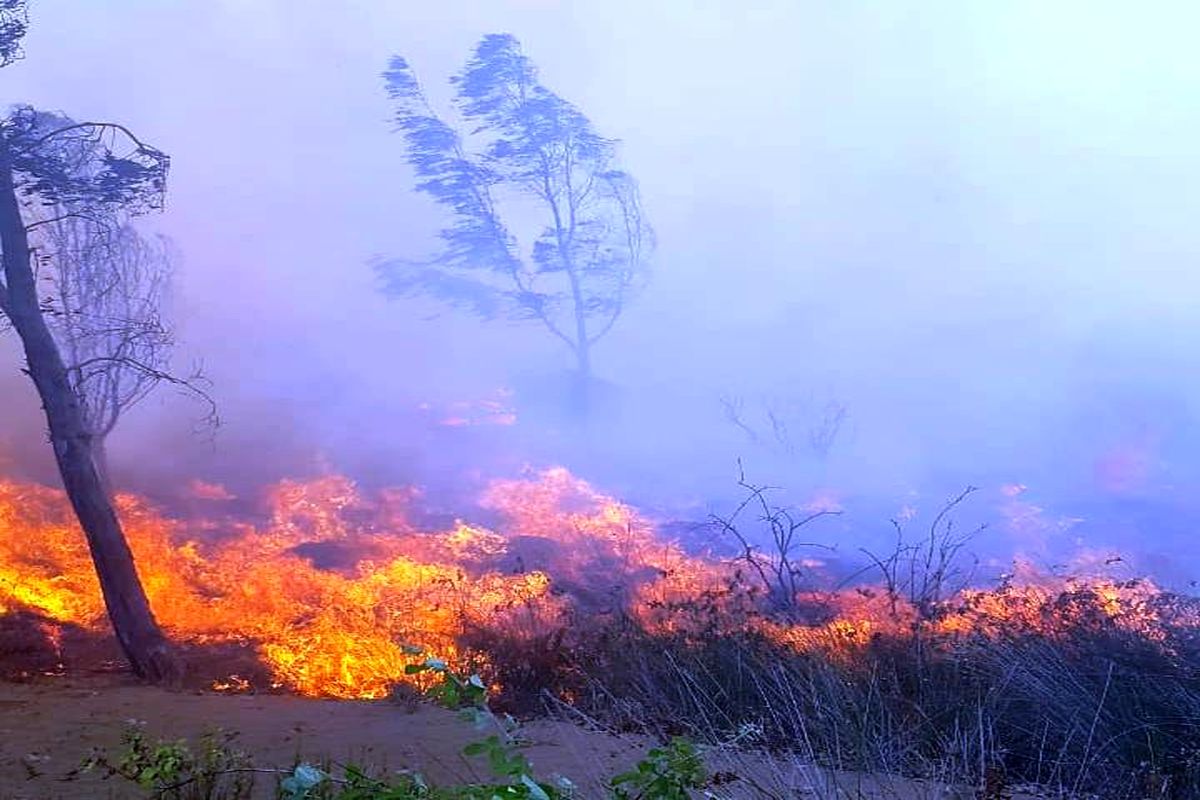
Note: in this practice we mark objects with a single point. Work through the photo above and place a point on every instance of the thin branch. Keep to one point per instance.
(733, 413)
(61, 217)
(97, 126)
(608, 326)
(780, 576)
(190, 385)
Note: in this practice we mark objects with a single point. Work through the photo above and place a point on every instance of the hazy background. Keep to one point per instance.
(972, 224)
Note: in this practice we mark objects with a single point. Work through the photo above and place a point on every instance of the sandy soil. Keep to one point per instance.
(47, 727)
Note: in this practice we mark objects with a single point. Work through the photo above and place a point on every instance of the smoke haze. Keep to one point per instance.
(969, 227)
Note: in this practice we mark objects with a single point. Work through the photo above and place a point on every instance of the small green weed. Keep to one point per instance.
(173, 770)
(666, 773)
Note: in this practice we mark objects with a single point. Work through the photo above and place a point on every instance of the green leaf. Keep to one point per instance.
(475, 748)
(535, 789)
(304, 778)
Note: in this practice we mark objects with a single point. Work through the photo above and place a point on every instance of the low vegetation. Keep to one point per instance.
(214, 769)
(1081, 687)
(1071, 699)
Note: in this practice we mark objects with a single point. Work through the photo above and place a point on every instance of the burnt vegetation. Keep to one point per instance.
(1081, 685)
(1065, 690)
(1086, 686)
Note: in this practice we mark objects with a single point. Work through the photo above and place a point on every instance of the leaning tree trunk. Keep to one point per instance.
(143, 643)
(100, 459)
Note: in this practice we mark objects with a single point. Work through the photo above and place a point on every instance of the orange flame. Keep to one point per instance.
(334, 587)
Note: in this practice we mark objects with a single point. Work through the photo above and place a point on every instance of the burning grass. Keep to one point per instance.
(574, 602)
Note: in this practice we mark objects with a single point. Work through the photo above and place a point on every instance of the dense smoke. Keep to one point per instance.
(962, 240)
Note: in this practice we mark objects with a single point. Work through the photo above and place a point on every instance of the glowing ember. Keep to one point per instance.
(203, 490)
(494, 410)
(234, 684)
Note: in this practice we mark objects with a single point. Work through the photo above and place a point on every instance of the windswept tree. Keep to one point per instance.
(14, 19)
(108, 288)
(587, 242)
(89, 169)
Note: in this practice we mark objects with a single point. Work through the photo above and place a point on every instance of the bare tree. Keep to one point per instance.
(789, 426)
(734, 408)
(92, 170)
(109, 286)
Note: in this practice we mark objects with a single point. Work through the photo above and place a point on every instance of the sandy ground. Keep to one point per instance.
(49, 726)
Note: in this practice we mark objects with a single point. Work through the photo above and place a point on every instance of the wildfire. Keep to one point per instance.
(334, 588)
(496, 409)
(204, 490)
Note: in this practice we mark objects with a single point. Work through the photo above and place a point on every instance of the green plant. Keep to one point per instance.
(666, 773)
(172, 770)
(307, 782)
(468, 695)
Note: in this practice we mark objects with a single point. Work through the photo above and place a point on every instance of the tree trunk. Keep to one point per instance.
(583, 360)
(582, 385)
(581, 389)
(100, 459)
(143, 643)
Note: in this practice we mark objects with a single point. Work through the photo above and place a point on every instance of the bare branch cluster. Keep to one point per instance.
(107, 287)
(788, 427)
(929, 570)
(779, 569)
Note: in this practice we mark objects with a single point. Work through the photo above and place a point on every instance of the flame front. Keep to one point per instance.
(332, 587)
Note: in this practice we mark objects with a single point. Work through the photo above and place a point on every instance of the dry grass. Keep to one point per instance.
(1087, 708)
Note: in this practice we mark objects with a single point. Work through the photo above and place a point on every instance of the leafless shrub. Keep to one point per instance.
(1055, 695)
(778, 569)
(1099, 715)
(927, 571)
(788, 426)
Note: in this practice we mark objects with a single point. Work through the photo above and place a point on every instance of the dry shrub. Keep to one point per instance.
(1085, 703)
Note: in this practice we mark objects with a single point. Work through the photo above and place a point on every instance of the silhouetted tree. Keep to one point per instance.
(89, 169)
(109, 285)
(13, 22)
(588, 251)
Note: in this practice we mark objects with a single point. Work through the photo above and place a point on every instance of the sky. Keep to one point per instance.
(970, 225)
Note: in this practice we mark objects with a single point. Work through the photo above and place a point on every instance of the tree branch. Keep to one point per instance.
(608, 326)
(190, 385)
(116, 126)
(61, 217)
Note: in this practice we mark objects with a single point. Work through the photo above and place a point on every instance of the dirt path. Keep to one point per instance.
(47, 728)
